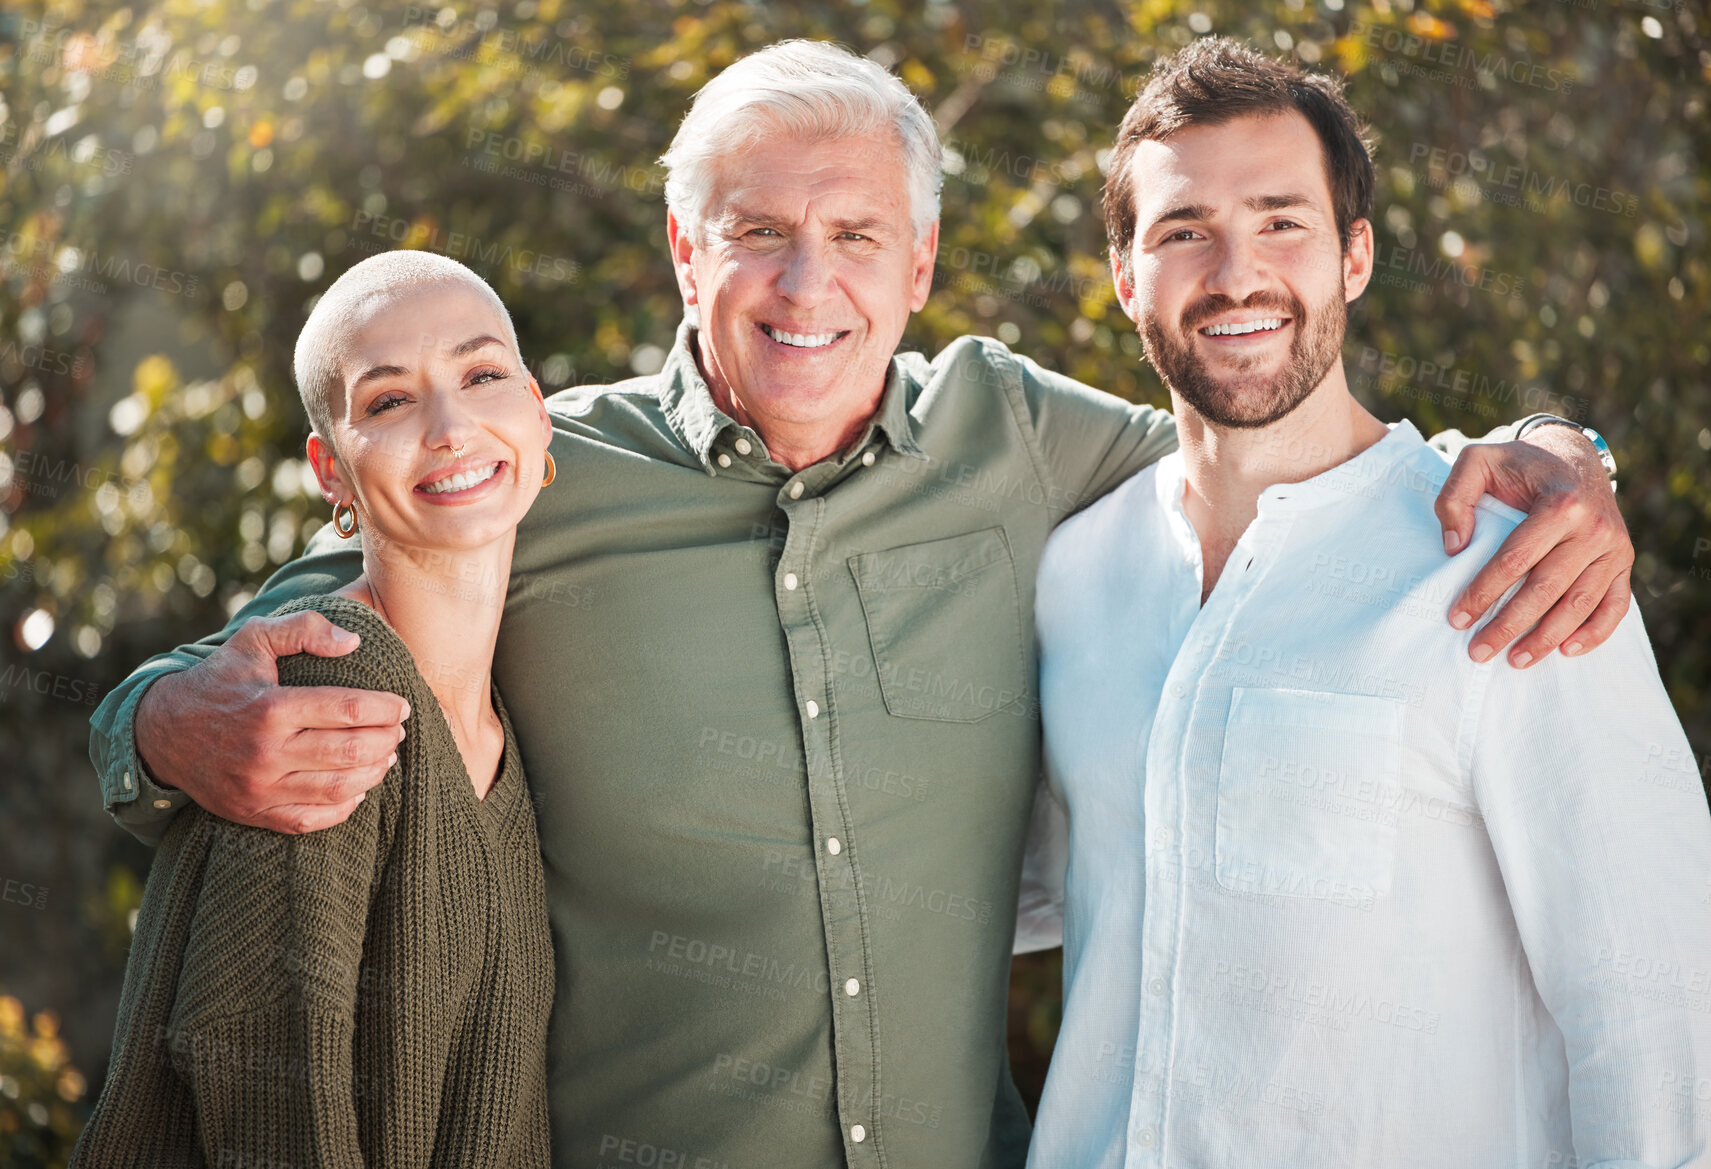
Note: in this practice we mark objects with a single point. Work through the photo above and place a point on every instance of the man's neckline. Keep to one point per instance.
(1350, 479)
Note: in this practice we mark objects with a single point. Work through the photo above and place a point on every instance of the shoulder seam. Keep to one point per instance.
(1017, 399)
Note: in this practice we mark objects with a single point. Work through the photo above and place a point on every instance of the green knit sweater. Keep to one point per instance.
(373, 994)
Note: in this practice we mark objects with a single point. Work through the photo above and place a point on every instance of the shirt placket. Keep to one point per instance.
(1167, 876)
(1169, 849)
(837, 838)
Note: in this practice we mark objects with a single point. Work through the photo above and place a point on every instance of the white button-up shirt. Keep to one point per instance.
(1337, 895)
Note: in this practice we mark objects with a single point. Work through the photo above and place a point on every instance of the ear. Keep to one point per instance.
(541, 408)
(1357, 260)
(334, 486)
(921, 274)
(682, 256)
(1124, 281)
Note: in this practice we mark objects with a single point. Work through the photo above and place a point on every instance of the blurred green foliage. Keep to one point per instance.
(38, 1086)
(180, 178)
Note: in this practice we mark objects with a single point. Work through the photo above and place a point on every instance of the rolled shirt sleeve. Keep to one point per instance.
(142, 807)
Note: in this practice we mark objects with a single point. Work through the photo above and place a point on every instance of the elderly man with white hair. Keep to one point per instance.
(767, 651)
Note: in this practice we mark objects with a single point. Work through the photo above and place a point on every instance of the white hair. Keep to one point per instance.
(324, 343)
(811, 90)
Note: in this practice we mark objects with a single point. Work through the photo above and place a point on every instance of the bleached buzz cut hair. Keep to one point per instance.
(324, 344)
(810, 90)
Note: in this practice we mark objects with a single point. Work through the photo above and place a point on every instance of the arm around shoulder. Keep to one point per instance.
(144, 803)
(1090, 441)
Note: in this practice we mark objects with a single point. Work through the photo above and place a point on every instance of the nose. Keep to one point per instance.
(1236, 268)
(451, 424)
(807, 278)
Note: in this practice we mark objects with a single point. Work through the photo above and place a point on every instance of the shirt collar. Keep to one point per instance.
(893, 418)
(698, 422)
(1358, 478)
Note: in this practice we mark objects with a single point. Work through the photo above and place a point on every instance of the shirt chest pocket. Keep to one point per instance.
(944, 622)
(1308, 790)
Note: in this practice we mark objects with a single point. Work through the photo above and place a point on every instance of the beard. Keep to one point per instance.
(1249, 399)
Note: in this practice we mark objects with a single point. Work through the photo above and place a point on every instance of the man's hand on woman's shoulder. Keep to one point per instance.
(287, 758)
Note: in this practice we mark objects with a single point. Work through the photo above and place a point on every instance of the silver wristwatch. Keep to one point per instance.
(1592, 436)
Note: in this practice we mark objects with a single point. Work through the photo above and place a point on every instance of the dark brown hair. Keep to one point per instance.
(1217, 80)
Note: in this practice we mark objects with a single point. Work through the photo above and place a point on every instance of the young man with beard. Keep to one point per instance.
(1337, 894)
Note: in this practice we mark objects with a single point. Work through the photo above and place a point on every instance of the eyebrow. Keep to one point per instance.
(384, 371)
(736, 215)
(1201, 211)
(740, 215)
(474, 343)
(376, 373)
(865, 224)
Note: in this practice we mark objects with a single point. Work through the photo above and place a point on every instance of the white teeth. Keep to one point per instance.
(1244, 327)
(462, 481)
(800, 340)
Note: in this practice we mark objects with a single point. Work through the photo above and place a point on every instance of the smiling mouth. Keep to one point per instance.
(462, 481)
(804, 340)
(1245, 328)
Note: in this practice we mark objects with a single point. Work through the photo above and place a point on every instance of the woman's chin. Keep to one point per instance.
(426, 545)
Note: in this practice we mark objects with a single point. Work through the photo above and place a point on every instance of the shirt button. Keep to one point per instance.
(790, 581)
(125, 781)
(743, 446)
(163, 804)
(796, 490)
(1179, 690)
(1156, 986)
(852, 987)
(834, 845)
(867, 458)
(858, 1134)
(1161, 837)
(813, 709)
(724, 459)
(1145, 1136)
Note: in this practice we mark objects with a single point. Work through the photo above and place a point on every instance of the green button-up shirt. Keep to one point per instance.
(784, 742)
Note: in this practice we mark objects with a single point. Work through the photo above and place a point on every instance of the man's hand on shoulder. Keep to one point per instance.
(1573, 547)
(286, 758)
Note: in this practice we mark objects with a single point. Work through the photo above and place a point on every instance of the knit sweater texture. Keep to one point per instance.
(373, 994)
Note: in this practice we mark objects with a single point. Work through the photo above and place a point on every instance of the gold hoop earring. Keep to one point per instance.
(338, 525)
(552, 471)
